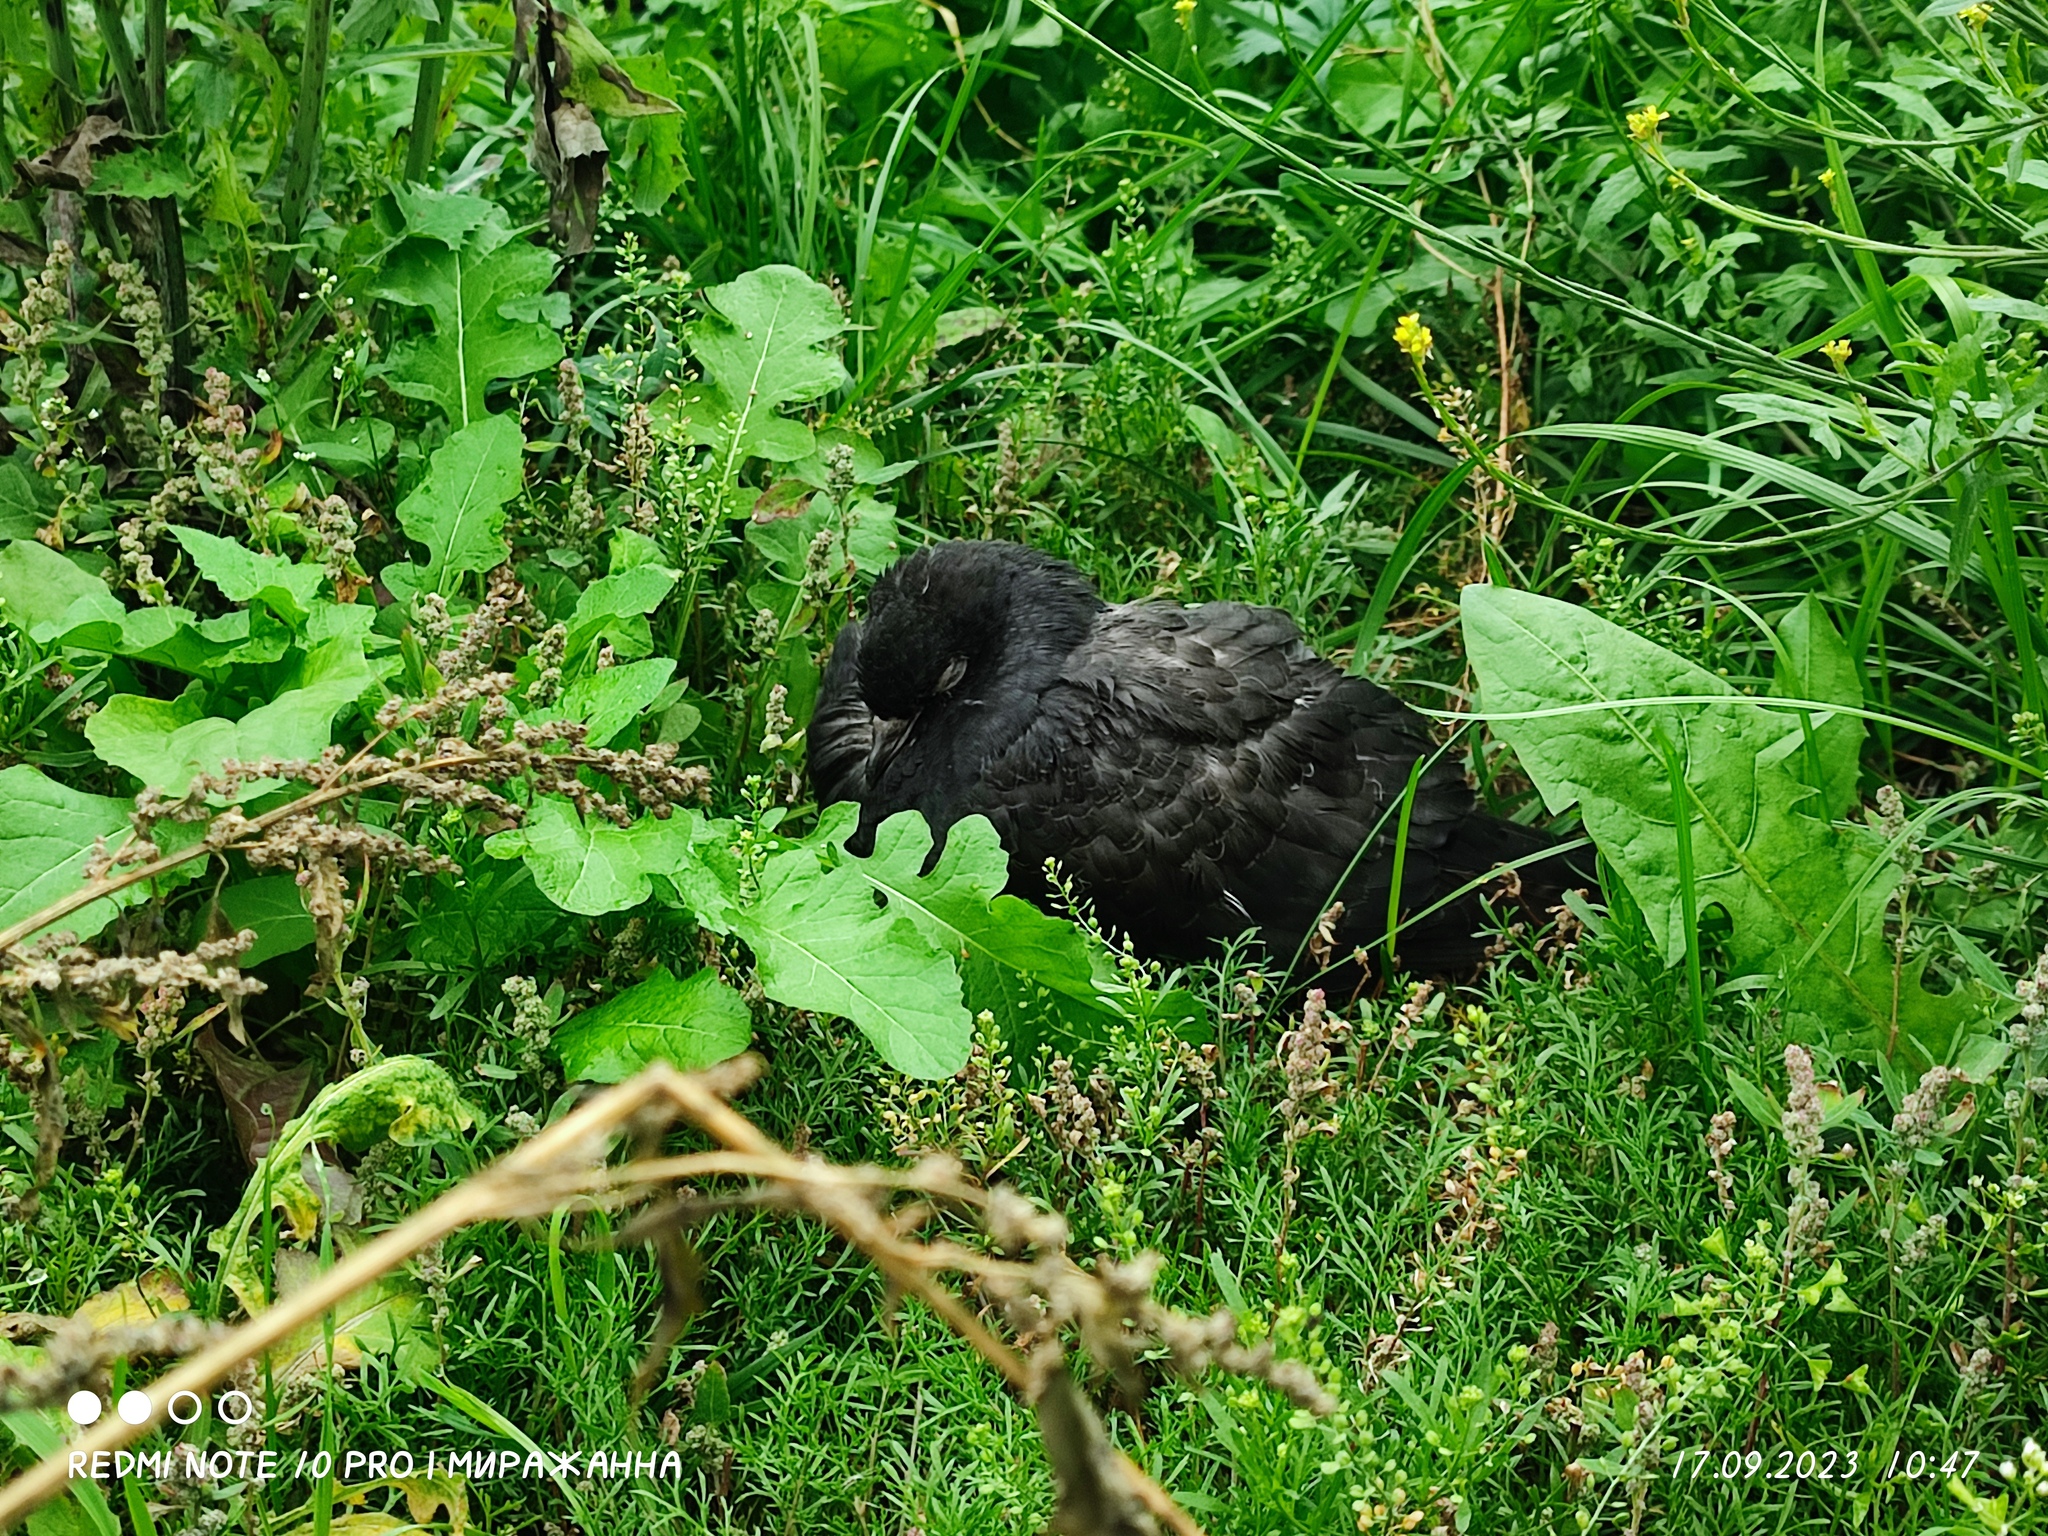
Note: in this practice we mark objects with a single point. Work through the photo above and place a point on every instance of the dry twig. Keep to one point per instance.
(1101, 1492)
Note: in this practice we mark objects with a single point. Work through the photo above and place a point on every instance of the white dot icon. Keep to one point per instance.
(133, 1407)
(84, 1407)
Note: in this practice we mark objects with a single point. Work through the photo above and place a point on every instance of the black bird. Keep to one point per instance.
(1196, 771)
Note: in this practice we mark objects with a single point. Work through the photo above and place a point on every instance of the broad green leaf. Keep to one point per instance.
(696, 1022)
(702, 411)
(452, 218)
(170, 636)
(822, 941)
(27, 500)
(1371, 89)
(45, 594)
(594, 867)
(610, 700)
(164, 742)
(490, 315)
(305, 400)
(345, 621)
(306, 412)
(869, 53)
(356, 447)
(766, 343)
(271, 907)
(869, 467)
(64, 1517)
(1027, 1015)
(598, 80)
(166, 636)
(458, 511)
(1813, 663)
(1806, 899)
(384, 1318)
(142, 173)
(958, 325)
(955, 907)
(227, 200)
(1756, 1102)
(869, 532)
(630, 550)
(610, 609)
(244, 576)
(483, 921)
(46, 835)
(1042, 978)
(768, 335)
(714, 1396)
(173, 637)
(651, 162)
(406, 1099)
(679, 721)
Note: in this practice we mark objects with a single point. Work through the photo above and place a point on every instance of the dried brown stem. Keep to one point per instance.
(509, 1188)
(340, 786)
(563, 1165)
(93, 890)
(855, 1221)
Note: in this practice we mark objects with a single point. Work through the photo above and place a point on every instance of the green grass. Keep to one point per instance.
(846, 1416)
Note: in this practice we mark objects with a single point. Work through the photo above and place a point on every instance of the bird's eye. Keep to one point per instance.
(950, 678)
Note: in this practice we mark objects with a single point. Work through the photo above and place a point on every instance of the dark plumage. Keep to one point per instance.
(1197, 771)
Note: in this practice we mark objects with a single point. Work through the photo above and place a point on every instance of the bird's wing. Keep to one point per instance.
(1200, 769)
(842, 730)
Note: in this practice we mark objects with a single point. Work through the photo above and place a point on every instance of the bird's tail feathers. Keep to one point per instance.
(1490, 850)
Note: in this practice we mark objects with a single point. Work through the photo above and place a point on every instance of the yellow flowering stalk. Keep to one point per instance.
(1974, 16)
(1413, 337)
(1645, 126)
(1837, 352)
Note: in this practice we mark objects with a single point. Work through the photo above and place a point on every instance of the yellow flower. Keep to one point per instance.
(1184, 10)
(1974, 16)
(1827, 178)
(1643, 125)
(1413, 337)
(1837, 351)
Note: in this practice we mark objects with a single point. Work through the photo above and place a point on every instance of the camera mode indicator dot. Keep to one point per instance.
(84, 1407)
(134, 1407)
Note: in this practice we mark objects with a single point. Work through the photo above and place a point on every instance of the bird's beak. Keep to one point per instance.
(886, 741)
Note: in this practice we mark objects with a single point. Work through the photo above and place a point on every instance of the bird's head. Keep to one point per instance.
(939, 620)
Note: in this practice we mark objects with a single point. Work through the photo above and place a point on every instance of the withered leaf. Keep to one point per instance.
(1094, 1497)
(155, 1294)
(67, 165)
(261, 1098)
(567, 148)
